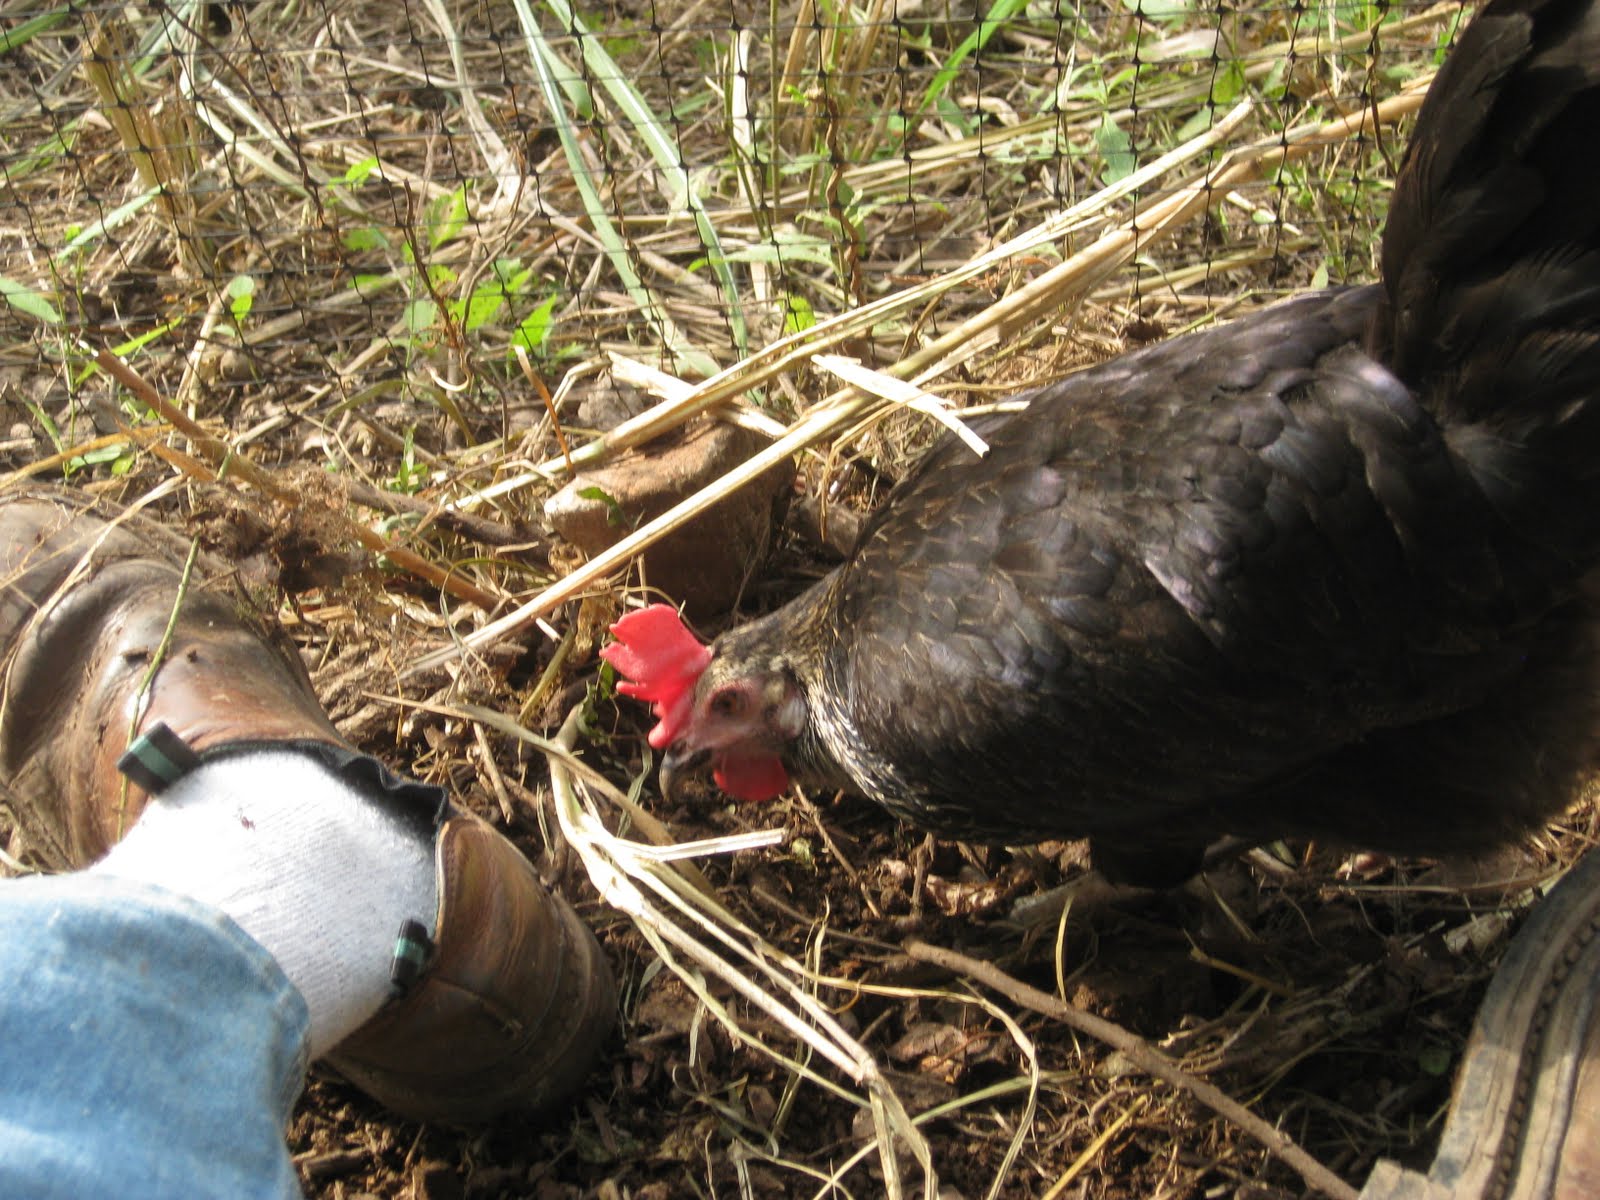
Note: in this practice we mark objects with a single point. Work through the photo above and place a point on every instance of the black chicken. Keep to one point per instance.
(1320, 572)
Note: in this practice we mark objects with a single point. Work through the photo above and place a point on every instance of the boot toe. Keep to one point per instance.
(514, 1008)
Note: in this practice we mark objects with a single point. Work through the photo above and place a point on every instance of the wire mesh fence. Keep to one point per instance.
(428, 210)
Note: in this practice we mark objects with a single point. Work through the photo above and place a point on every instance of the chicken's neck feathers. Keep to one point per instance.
(808, 641)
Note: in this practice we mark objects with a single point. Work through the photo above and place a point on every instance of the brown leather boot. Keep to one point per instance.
(1525, 1117)
(102, 642)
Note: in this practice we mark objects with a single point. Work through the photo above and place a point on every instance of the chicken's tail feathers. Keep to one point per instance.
(1491, 263)
(1495, 219)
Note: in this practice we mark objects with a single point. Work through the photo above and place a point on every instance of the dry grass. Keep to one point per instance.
(344, 275)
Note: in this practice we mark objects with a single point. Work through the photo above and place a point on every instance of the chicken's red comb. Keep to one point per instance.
(661, 660)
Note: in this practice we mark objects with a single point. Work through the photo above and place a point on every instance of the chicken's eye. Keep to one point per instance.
(727, 703)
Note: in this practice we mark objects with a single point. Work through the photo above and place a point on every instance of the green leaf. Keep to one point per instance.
(101, 454)
(1116, 149)
(534, 328)
(28, 302)
(116, 217)
(420, 315)
(1196, 124)
(988, 25)
(127, 348)
(1165, 11)
(448, 218)
(480, 307)
(368, 237)
(1229, 83)
(512, 275)
(359, 172)
(241, 296)
(614, 513)
(25, 31)
(798, 314)
(408, 476)
(46, 155)
(1273, 87)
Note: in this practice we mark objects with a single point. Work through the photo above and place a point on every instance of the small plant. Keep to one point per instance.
(410, 476)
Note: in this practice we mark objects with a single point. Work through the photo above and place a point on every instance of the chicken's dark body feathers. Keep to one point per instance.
(1319, 571)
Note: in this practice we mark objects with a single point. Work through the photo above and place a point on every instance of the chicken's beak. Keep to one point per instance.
(678, 762)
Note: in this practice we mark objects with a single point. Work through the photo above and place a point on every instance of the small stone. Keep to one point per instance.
(608, 404)
(235, 366)
(704, 563)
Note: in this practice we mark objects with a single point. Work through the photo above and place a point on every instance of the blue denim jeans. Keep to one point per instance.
(148, 1047)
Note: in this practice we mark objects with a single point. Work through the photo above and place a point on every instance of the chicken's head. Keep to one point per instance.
(712, 707)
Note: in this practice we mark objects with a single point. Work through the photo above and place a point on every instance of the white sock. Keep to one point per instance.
(319, 873)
